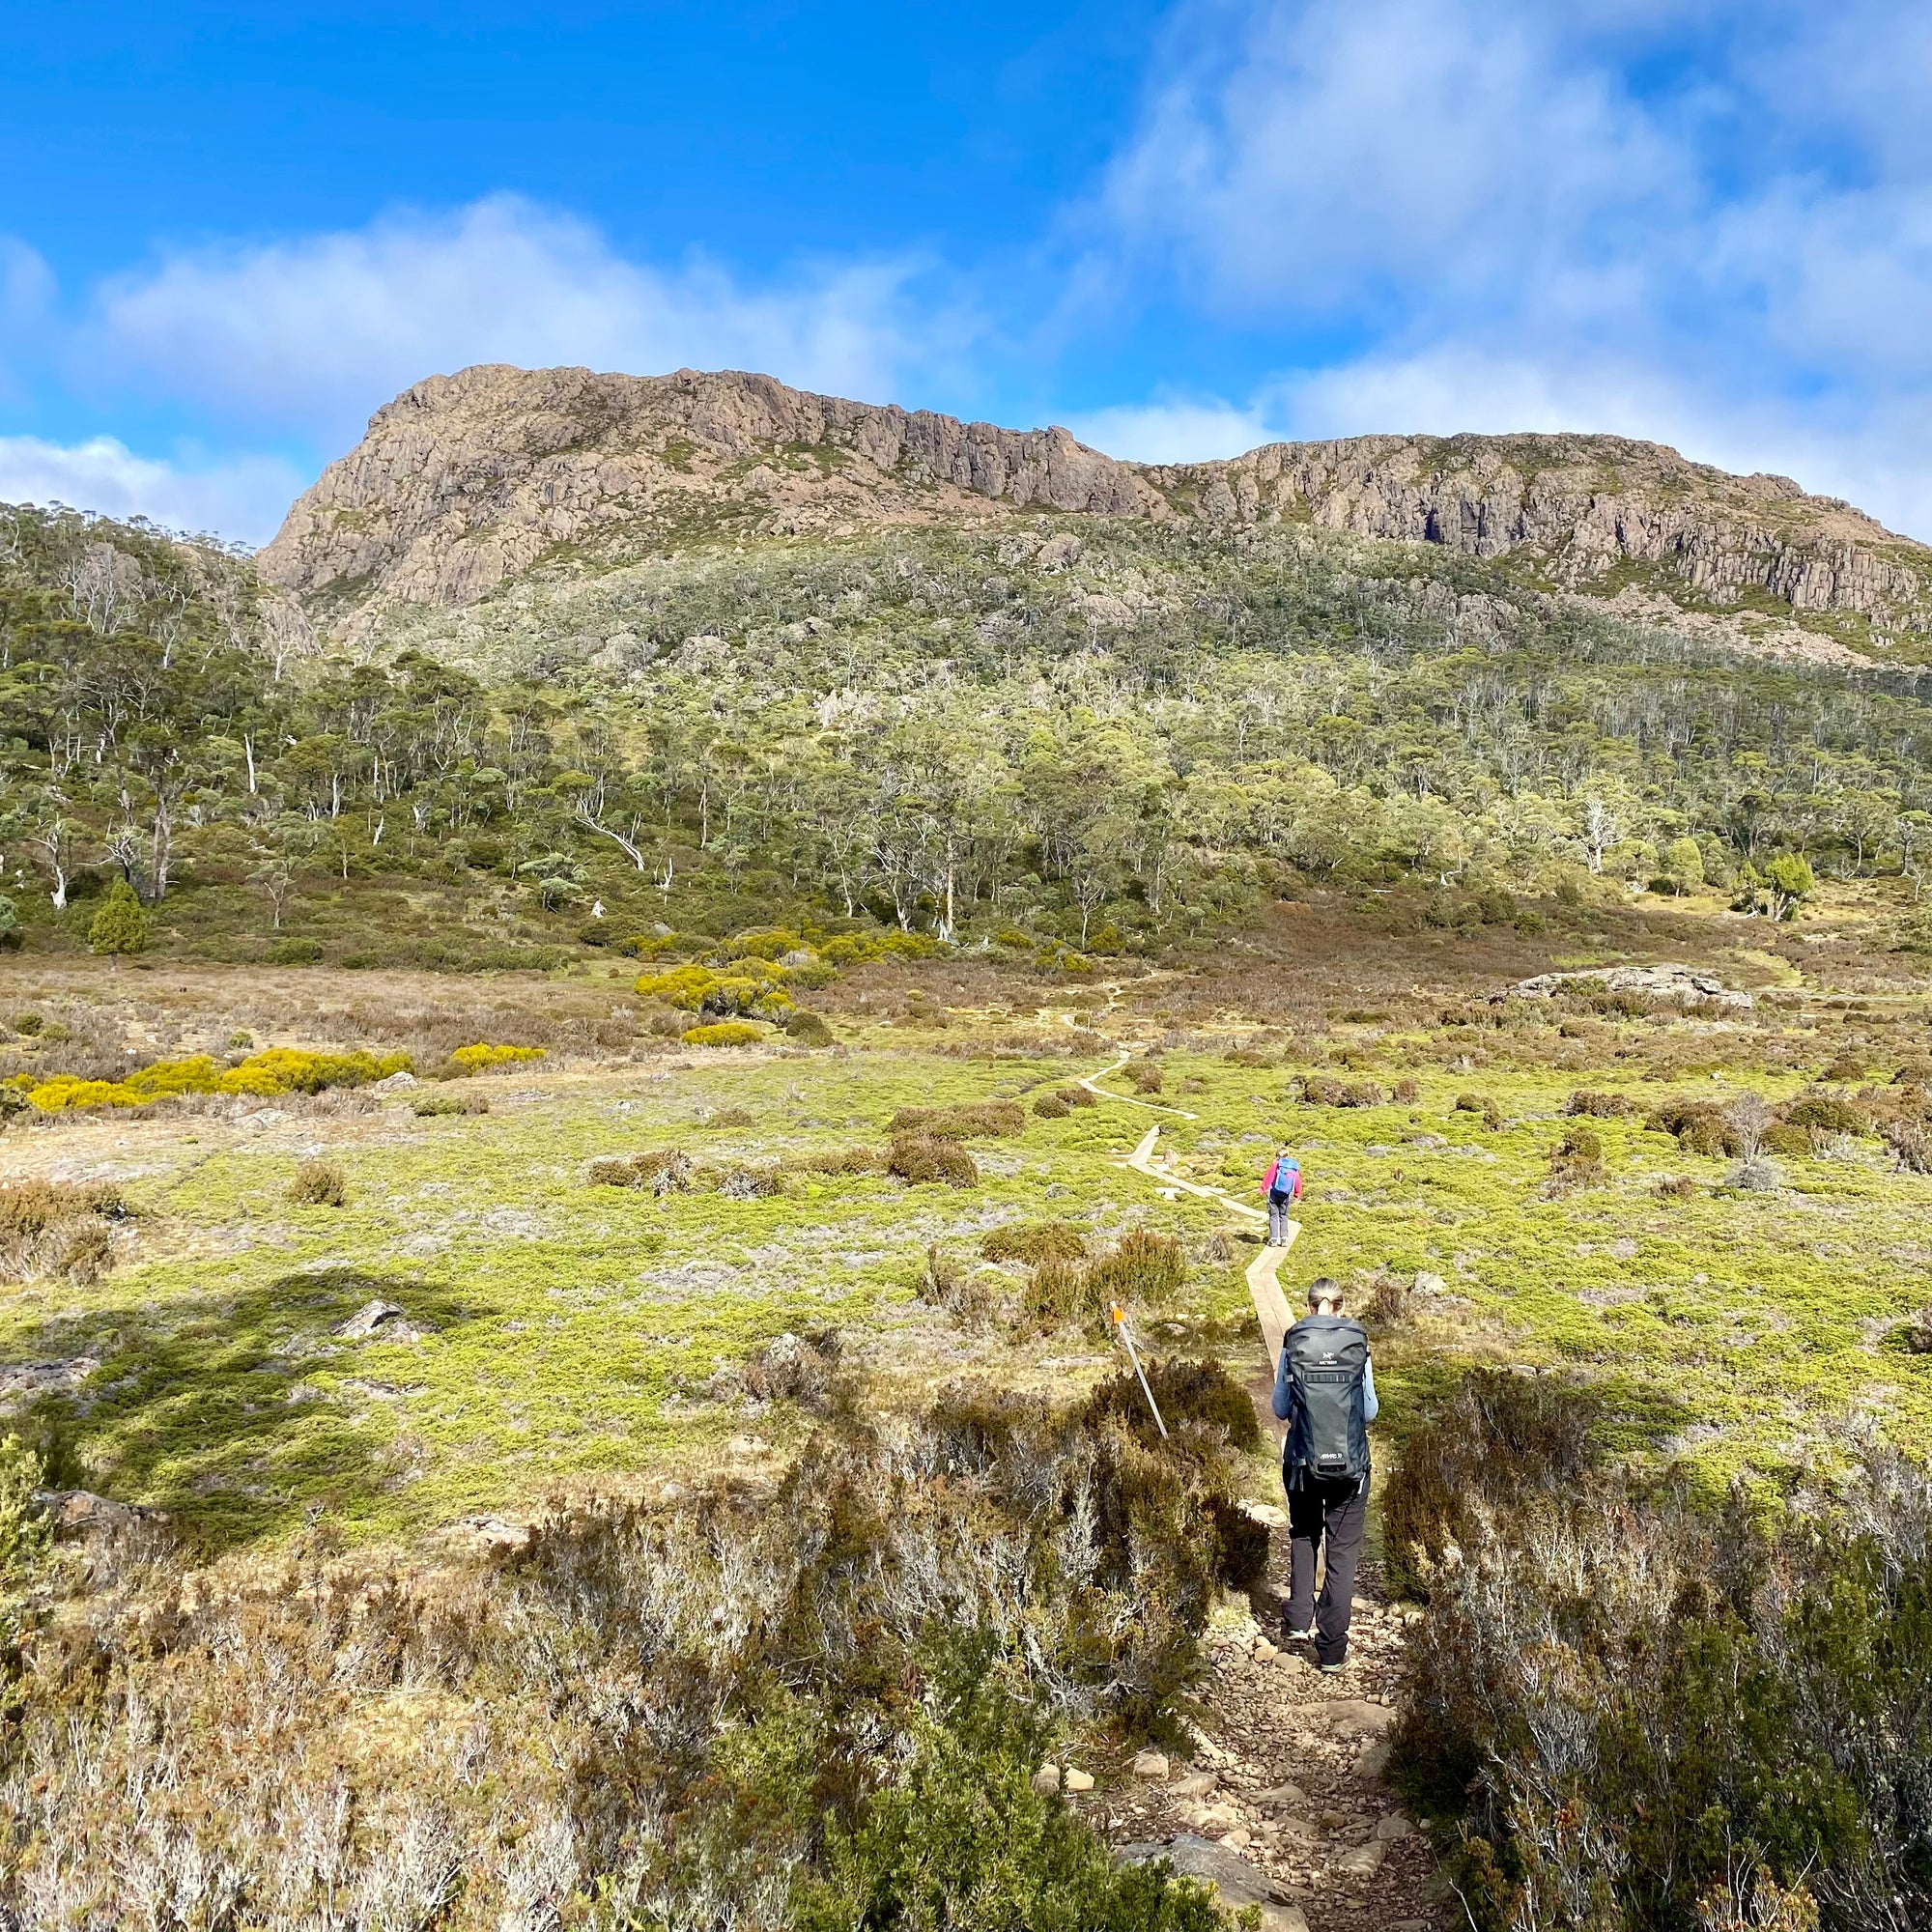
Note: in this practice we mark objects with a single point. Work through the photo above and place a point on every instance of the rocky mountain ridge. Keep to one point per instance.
(465, 481)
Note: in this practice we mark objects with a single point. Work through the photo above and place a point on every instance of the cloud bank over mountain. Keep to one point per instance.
(1710, 226)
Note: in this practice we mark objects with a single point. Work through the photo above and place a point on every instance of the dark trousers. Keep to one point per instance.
(1325, 1514)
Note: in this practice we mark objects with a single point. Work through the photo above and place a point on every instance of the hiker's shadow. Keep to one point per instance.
(229, 1408)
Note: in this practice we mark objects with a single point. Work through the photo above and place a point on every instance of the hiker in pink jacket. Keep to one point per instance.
(1281, 1184)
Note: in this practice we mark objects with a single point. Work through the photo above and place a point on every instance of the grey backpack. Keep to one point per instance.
(1327, 1361)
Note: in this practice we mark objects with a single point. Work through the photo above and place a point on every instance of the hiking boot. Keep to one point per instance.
(1333, 1670)
(1299, 1636)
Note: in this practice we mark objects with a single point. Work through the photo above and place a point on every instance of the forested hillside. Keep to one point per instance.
(1055, 731)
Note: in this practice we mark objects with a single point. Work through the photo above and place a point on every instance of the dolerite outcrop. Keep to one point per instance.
(465, 481)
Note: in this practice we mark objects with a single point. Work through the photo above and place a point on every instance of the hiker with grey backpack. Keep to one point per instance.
(1324, 1389)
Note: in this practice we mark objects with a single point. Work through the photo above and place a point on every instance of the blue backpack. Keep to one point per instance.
(1286, 1182)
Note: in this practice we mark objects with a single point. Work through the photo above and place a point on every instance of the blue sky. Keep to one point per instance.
(1181, 228)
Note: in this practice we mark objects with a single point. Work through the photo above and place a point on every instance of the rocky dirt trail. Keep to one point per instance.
(1280, 1798)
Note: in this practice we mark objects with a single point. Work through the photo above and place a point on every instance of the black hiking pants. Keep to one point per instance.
(1326, 1517)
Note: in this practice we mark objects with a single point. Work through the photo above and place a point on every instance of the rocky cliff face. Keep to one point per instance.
(467, 480)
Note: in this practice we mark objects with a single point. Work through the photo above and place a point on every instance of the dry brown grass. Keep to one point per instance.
(327, 1743)
(48, 1229)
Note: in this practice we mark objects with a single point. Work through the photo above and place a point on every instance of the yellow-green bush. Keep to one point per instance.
(475, 1059)
(858, 948)
(769, 943)
(724, 1033)
(683, 986)
(753, 985)
(279, 1069)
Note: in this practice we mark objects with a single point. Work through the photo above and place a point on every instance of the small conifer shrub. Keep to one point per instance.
(319, 1183)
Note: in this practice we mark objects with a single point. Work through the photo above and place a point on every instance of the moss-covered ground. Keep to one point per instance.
(567, 1332)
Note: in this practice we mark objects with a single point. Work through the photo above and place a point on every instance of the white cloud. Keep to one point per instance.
(1326, 155)
(1172, 431)
(243, 499)
(1710, 225)
(314, 333)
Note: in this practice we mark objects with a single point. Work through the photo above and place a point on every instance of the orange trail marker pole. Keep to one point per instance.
(1119, 1314)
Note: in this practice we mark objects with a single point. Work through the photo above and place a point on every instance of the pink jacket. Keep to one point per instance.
(1267, 1181)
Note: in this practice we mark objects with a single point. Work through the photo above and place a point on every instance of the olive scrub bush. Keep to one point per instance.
(816, 1701)
(1655, 1711)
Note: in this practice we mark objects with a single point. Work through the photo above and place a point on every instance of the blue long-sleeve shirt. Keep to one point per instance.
(1284, 1399)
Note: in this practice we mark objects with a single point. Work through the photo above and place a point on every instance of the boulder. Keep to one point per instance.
(1686, 986)
(1282, 1798)
(82, 1514)
(1151, 1765)
(21, 1381)
(1353, 1717)
(1046, 1779)
(1196, 1784)
(1072, 1779)
(1363, 1860)
(367, 1318)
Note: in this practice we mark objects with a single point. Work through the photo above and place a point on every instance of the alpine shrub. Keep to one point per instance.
(1600, 1106)
(1699, 1125)
(1034, 1243)
(319, 1183)
(925, 1157)
(807, 1027)
(50, 1227)
(724, 1033)
(1658, 1712)
(661, 1171)
(985, 1119)
(1828, 1113)
(1497, 1438)
(483, 1058)
(962, 1822)
(1144, 1269)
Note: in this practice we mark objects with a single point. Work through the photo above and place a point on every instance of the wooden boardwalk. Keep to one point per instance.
(1271, 1310)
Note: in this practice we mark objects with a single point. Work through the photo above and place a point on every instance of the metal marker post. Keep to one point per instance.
(1133, 1355)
